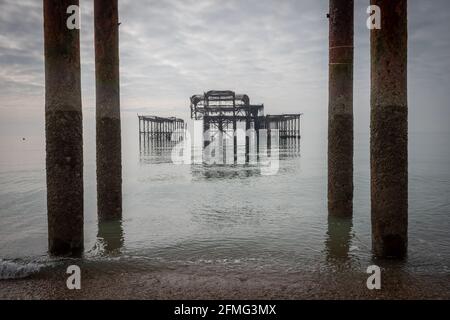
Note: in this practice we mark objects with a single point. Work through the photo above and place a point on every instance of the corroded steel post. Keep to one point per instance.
(109, 158)
(389, 130)
(63, 131)
(340, 111)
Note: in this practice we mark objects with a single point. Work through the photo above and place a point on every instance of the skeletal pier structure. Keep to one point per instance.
(221, 110)
(287, 124)
(160, 128)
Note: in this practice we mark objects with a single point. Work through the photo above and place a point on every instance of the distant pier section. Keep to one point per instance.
(159, 127)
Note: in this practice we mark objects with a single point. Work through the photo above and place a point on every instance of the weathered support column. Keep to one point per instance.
(206, 133)
(143, 131)
(339, 238)
(140, 133)
(295, 127)
(159, 130)
(389, 131)
(109, 157)
(340, 110)
(269, 137)
(111, 235)
(257, 127)
(63, 131)
(247, 139)
(234, 131)
(299, 126)
(220, 147)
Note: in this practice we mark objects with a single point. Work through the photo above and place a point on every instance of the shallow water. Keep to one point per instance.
(228, 215)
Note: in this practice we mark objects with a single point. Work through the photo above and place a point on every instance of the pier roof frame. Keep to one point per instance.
(160, 119)
(223, 103)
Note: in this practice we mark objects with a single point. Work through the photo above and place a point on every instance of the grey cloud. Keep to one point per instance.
(274, 50)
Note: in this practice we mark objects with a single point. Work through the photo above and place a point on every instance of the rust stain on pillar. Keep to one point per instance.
(64, 131)
(340, 110)
(389, 131)
(109, 162)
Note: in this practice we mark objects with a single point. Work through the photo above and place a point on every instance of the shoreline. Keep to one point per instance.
(215, 283)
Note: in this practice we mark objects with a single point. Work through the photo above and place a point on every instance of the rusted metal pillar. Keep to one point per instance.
(389, 131)
(340, 110)
(63, 131)
(109, 158)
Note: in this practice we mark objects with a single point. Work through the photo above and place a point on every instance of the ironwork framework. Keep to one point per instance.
(225, 108)
(158, 127)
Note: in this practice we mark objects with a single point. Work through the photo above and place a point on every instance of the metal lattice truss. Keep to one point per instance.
(224, 106)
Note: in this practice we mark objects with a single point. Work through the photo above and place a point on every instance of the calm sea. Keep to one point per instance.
(231, 216)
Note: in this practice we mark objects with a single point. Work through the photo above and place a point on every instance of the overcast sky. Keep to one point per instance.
(276, 51)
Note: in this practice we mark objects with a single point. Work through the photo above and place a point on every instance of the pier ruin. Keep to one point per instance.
(221, 110)
(158, 127)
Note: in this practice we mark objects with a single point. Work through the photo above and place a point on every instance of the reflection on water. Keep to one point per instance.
(289, 147)
(156, 150)
(219, 151)
(339, 238)
(211, 172)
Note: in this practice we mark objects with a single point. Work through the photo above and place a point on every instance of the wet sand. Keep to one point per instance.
(213, 283)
